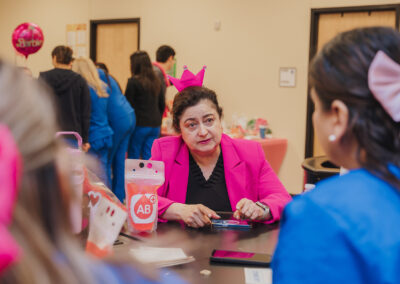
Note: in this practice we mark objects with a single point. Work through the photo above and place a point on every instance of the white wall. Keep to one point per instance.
(243, 57)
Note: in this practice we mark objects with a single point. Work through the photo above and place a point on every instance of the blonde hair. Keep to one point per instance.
(86, 68)
(41, 224)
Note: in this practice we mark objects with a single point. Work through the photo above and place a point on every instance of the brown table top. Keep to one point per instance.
(201, 242)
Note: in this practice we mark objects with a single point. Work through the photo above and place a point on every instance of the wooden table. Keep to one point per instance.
(201, 242)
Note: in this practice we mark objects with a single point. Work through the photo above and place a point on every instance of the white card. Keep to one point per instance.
(258, 275)
(155, 254)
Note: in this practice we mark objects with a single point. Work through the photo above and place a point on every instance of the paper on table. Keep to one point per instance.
(161, 257)
(258, 275)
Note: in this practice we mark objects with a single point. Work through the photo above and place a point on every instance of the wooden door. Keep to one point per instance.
(331, 24)
(115, 42)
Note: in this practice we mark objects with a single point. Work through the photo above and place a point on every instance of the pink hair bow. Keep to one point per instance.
(188, 79)
(9, 174)
(384, 83)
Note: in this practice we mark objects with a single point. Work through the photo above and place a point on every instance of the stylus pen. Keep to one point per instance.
(130, 237)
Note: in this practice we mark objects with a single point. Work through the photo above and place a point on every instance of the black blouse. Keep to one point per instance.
(212, 192)
(148, 107)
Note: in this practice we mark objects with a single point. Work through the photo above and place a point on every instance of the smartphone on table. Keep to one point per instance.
(230, 224)
(227, 221)
(241, 257)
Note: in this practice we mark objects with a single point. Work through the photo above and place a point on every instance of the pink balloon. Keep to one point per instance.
(27, 38)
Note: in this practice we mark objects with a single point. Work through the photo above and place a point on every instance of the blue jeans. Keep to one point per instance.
(116, 159)
(142, 141)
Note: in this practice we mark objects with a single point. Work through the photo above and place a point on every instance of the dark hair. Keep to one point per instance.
(189, 97)
(142, 70)
(340, 72)
(103, 67)
(63, 54)
(164, 52)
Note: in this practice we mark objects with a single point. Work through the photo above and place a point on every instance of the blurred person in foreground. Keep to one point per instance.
(37, 245)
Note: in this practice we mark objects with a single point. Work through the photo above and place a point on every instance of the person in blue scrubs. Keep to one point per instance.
(122, 119)
(346, 229)
(100, 132)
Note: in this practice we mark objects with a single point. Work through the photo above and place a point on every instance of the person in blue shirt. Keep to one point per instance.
(122, 119)
(346, 229)
(100, 132)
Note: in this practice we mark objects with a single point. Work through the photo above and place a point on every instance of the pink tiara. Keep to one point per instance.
(188, 79)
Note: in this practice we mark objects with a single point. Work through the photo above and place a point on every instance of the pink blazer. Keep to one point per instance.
(247, 173)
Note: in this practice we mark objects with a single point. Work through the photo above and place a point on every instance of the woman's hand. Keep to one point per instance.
(247, 209)
(194, 215)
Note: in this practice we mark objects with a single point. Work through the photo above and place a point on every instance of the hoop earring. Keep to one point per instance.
(332, 137)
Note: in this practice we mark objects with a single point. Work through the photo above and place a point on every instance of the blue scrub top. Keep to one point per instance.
(344, 231)
(118, 106)
(99, 126)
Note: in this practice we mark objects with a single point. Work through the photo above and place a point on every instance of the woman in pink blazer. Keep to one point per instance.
(207, 171)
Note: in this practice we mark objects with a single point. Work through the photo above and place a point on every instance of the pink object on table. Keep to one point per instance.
(274, 150)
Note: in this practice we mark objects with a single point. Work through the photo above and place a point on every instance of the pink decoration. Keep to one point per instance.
(384, 83)
(27, 38)
(260, 122)
(188, 79)
(9, 173)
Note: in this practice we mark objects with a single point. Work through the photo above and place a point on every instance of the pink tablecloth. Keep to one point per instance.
(275, 150)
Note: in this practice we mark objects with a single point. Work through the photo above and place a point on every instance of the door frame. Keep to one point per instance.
(309, 150)
(93, 32)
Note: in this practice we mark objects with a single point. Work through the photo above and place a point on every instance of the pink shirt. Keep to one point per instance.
(247, 174)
